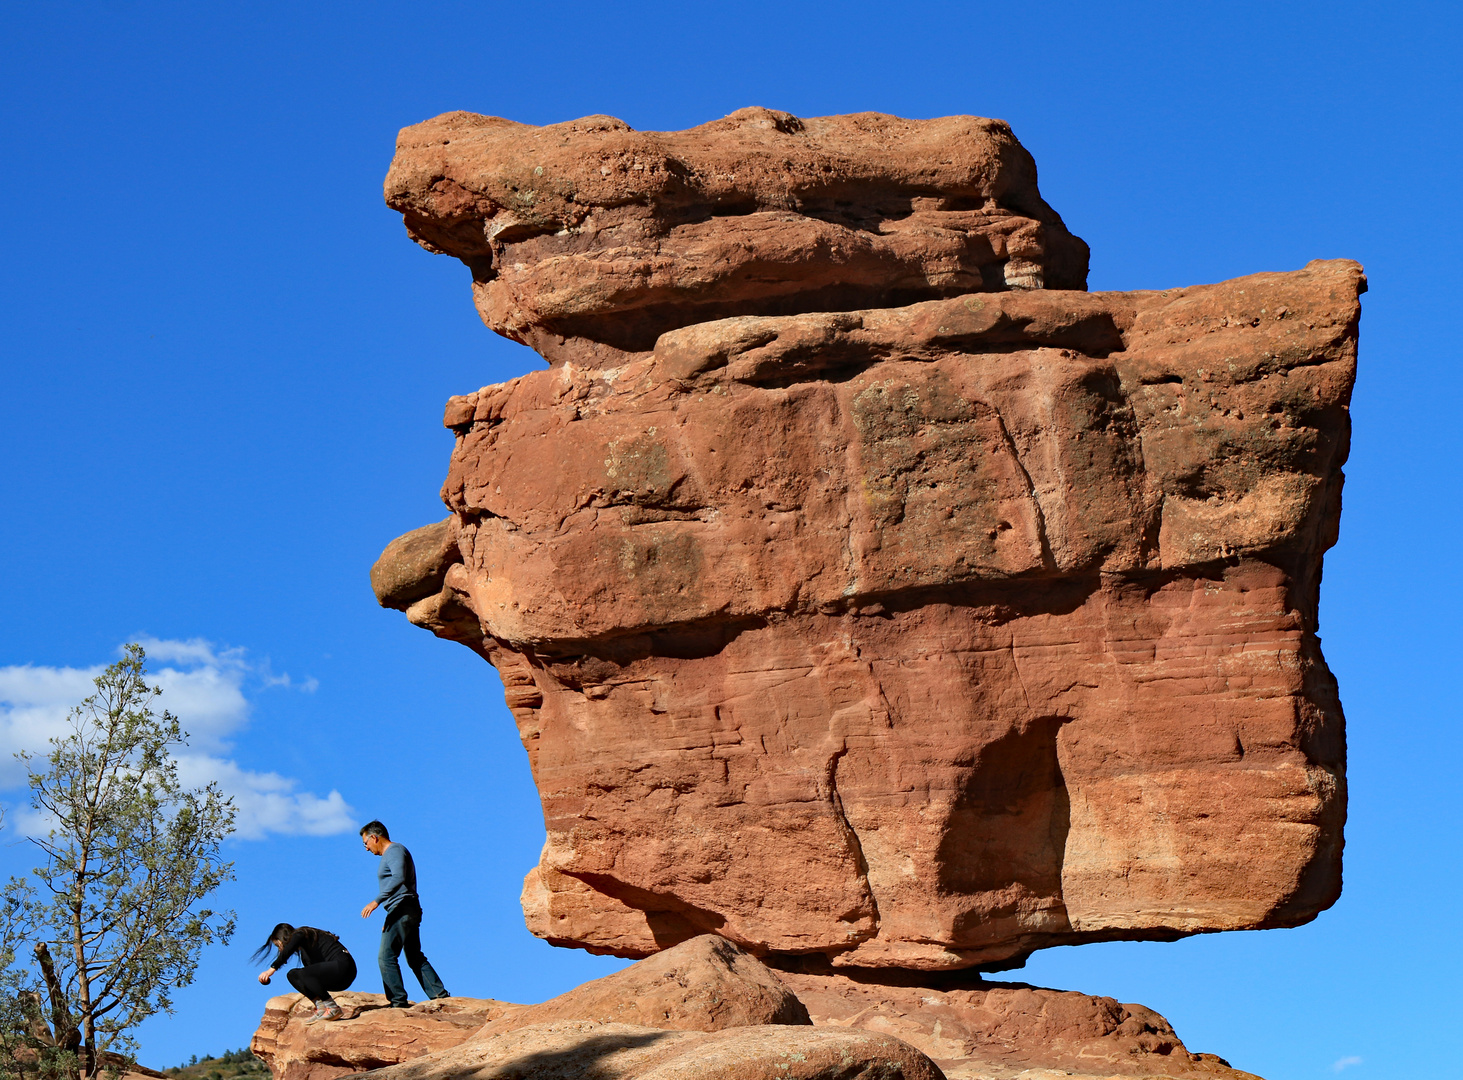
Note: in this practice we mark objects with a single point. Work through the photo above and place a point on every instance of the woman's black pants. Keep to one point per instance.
(316, 981)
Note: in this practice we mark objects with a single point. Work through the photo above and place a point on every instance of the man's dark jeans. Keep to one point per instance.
(402, 933)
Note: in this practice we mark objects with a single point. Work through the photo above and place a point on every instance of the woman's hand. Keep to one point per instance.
(264, 976)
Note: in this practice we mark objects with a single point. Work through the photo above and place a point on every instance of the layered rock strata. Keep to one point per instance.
(371, 1036)
(1010, 1031)
(917, 635)
(575, 1049)
(589, 240)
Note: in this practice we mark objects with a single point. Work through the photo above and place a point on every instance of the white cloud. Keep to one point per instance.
(267, 802)
(204, 688)
(1345, 1063)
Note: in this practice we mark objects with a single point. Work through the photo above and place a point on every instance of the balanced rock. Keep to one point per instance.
(913, 634)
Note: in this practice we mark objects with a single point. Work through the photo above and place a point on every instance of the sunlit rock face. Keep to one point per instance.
(917, 620)
(589, 240)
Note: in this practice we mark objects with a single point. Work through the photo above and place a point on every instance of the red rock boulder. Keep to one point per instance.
(978, 1031)
(370, 1036)
(918, 635)
(580, 1049)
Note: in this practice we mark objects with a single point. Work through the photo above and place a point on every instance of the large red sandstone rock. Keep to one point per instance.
(587, 239)
(921, 637)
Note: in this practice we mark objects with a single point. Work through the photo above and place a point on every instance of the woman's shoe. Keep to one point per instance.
(332, 1011)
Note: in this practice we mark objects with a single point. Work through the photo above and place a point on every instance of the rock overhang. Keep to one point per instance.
(588, 239)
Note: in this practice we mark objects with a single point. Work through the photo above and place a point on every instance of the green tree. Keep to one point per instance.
(114, 918)
(28, 1051)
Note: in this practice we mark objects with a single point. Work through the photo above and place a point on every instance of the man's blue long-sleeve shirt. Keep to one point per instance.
(397, 875)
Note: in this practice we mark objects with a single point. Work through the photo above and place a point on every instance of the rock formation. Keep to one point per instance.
(869, 595)
(576, 1049)
(749, 1023)
(860, 586)
(371, 1036)
(996, 1031)
(705, 984)
(589, 240)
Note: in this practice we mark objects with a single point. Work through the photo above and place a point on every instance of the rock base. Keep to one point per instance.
(708, 1009)
(1002, 1031)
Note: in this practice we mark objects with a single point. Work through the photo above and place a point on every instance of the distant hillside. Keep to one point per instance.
(224, 1067)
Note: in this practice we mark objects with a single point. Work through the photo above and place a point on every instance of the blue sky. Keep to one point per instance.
(224, 365)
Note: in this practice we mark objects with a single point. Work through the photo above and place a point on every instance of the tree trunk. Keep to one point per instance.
(67, 1036)
(88, 1057)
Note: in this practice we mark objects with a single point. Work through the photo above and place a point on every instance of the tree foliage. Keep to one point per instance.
(114, 917)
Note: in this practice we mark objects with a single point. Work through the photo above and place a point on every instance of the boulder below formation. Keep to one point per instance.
(970, 1030)
(576, 1049)
(1000, 1031)
(705, 984)
(371, 1035)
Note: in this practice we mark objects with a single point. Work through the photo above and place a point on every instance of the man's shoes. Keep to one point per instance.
(443, 994)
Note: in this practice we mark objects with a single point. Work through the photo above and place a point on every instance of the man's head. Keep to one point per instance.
(375, 837)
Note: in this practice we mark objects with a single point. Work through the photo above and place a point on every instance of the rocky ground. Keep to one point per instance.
(708, 1009)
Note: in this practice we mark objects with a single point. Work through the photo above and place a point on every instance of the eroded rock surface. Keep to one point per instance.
(970, 1029)
(705, 984)
(922, 637)
(573, 1050)
(370, 1036)
(588, 240)
(1005, 1031)
(854, 593)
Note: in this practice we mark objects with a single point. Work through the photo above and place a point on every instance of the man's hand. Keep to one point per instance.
(264, 976)
(366, 911)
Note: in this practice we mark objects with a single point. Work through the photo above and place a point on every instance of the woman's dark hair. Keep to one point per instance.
(281, 933)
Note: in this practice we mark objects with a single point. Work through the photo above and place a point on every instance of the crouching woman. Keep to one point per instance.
(326, 965)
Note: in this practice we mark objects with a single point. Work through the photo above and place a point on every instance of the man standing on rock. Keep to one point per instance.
(398, 895)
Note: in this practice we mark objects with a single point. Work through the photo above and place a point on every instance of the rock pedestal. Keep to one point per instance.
(706, 1008)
